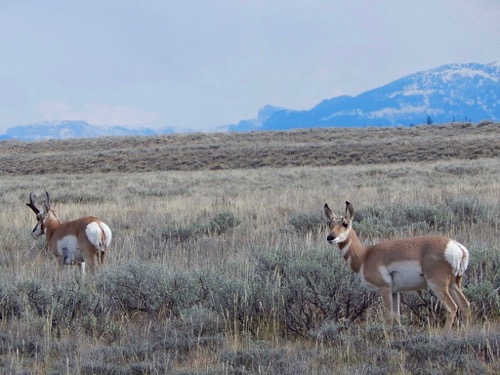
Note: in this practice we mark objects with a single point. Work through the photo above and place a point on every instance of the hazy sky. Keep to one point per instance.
(198, 65)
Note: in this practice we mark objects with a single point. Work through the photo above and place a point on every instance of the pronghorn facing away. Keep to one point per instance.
(73, 242)
(405, 264)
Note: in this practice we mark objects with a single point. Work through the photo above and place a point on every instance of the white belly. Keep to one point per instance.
(68, 248)
(404, 276)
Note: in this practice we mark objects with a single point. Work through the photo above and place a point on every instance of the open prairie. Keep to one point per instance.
(219, 262)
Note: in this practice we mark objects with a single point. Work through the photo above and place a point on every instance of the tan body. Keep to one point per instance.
(79, 241)
(407, 264)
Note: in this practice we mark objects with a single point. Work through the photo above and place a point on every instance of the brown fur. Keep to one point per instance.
(426, 251)
(55, 230)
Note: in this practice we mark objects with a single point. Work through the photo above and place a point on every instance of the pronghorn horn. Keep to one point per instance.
(32, 205)
(47, 202)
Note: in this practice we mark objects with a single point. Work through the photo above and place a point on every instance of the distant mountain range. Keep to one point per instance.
(450, 93)
(73, 129)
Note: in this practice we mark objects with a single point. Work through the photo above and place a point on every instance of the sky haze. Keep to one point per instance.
(200, 65)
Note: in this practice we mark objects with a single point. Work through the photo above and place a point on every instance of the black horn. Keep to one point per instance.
(32, 205)
(48, 198)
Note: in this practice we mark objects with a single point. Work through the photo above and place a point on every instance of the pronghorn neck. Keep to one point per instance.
(51, 223)
(353, 251)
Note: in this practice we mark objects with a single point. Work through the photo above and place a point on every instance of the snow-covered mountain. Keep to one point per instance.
(72, 129)
(455, 92)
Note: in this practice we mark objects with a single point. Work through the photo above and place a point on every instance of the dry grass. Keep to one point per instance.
(215, 302)
(222, 151)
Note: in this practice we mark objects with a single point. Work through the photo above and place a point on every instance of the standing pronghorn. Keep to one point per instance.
(73, 242)
(404, 264)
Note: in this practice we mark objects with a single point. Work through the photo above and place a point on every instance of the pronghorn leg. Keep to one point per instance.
(459, 298)
(82, 268)
(396, 307)
(89, 255)
(91, 263)
(60, 261)
(440, 289)
(100, 257)
(387, 297)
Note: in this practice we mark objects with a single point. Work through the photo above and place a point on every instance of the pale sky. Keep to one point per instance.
(199, 65)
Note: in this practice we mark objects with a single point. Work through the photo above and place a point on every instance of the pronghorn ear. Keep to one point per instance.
(328, 212)
(349, 211)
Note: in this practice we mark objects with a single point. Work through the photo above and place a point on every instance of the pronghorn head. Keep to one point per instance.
(41, 217)
(339, 227)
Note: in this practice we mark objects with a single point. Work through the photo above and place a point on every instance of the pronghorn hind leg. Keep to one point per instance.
(91, 263)
(100, 257)
(460, 299)
(441, 290)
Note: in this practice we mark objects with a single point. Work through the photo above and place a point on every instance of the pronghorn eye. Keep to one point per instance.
(345, 224)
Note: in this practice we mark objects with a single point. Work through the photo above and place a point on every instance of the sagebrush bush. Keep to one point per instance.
(254, 298)
(310, 288)
(74, 301)
(11, 305)
(450, 354)
(149, 289)
(37, 297)
(409, 219)
(239, 300)
(466, 211)
(261, 359)
(214, 225)
(308, 222)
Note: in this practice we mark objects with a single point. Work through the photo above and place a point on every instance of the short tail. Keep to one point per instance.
(105, 236)
(463, 261)
(104, 241)
(100, 236)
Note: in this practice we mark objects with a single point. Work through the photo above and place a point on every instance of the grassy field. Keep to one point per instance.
(221, 151)
(219, 262)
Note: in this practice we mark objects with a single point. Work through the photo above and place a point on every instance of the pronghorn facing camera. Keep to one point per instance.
(73, 242)
(406, 264)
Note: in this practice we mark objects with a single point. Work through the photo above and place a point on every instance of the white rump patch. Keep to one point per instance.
(107, 234)
(457, 256)
(94, 233)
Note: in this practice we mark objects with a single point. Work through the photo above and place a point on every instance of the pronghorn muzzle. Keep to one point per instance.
(331, 238)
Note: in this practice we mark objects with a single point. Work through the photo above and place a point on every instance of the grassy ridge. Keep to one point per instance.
(228, 271)
(215, 151)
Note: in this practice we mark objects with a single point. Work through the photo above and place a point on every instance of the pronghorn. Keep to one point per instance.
(406, 264)
(74, 242)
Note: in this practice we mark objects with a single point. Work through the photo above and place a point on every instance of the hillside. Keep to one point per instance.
(311, 147)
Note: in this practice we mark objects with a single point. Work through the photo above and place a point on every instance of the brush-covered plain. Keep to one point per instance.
(227, 270)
